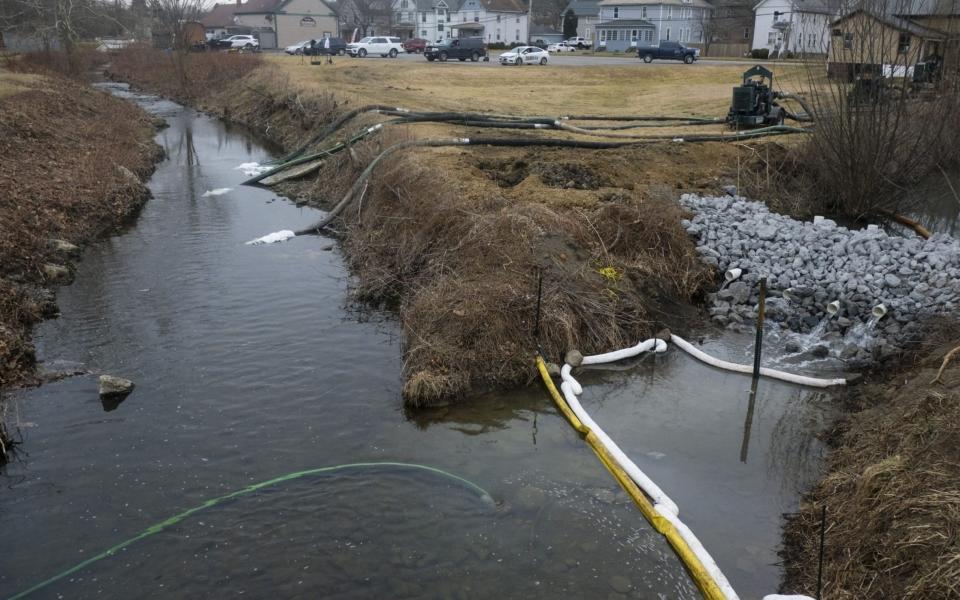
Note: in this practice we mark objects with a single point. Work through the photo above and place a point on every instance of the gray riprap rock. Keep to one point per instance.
(891, 280)
(111, 386)
(767, 232)
(574, 358)
(620, 584)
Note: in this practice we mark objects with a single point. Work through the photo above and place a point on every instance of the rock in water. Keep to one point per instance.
(114, 387)
(574, 358)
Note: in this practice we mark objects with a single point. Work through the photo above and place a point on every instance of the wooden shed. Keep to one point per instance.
(862, 42)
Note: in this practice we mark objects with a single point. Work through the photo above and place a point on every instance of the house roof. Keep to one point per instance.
(822, 7)
(899, 24)
(221, 15)
(504, 5)
(583, 8)
(624, 23)
(697, 3)
(257, 7)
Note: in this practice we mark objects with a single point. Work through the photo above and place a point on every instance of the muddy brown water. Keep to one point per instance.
(248, 366)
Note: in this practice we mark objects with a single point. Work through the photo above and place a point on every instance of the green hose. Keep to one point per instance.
(158, 527)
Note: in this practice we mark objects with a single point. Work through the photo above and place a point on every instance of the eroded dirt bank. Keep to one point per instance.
(73, 163)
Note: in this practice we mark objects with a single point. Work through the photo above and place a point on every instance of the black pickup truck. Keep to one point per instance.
(668, 51)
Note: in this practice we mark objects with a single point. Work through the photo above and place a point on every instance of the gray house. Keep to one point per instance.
(580, 18)
(629, 23)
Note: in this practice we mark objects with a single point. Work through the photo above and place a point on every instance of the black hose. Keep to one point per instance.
(333, 127)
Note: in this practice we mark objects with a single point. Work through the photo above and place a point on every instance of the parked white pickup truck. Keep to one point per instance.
(579, 42)
(384, 46)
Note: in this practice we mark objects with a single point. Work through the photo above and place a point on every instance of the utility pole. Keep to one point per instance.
(529, 19)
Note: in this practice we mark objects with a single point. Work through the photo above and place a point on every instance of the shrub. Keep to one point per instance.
(760, 53)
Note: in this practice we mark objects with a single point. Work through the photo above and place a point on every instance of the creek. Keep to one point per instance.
(250, 364)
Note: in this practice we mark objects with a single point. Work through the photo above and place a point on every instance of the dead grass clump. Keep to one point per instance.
(460, 262)
(893, 499)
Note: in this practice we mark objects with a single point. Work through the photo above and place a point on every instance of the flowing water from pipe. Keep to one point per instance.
(248, 366)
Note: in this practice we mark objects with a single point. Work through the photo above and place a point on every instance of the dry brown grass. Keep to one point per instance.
(631, 88)
(892, 492)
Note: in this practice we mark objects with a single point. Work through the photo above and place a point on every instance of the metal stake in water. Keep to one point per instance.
(757, 347)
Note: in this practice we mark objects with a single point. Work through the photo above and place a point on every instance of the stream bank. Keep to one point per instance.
(74, 160)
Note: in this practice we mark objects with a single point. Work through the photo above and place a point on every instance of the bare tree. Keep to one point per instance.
(888, 113)
(172, 16)
(367, 14)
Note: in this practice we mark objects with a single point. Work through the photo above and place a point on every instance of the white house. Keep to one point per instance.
(797, 26)
(503, 21)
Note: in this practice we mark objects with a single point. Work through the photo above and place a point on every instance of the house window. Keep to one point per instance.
(518, 19)
(648, 35)
(669, 11)
(603, 35)
(633, 35)
(848, 41)
(746, 33)
(423, 33)
(498, 35)
(403, 3)
(423, 17)
(518, 35)
(440, 26)
(616, 12)
(668, 35)
(771, 38)
(498, 20)
(904, 45)
(643, 12)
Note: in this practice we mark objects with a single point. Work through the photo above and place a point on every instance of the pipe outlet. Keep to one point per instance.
(879, 311)
(833, 308)
(733, 275)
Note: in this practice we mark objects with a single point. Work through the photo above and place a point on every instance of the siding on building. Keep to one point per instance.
(788, 26)
(503, 21)
(673, 20)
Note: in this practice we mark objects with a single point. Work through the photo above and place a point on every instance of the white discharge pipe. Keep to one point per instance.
(833, 307)
(879, 311)
(732, 275)
(748, 369)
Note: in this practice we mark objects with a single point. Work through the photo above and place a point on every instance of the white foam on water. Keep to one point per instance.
(251, 169)
(271, 238)
(216, 192)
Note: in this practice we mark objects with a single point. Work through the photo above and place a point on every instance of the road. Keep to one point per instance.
(572, 59)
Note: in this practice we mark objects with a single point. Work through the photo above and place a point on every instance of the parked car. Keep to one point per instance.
(297, 48)
(460, 49)
(415, 45)
(668, 51)
(561, 47)
(247, 42)
(579, 42)
(530, 55)
(320, 48)
(384, 46)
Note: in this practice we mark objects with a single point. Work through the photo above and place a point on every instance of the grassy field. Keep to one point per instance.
(631, 88)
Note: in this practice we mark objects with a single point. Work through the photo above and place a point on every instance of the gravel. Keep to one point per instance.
(809, 264)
